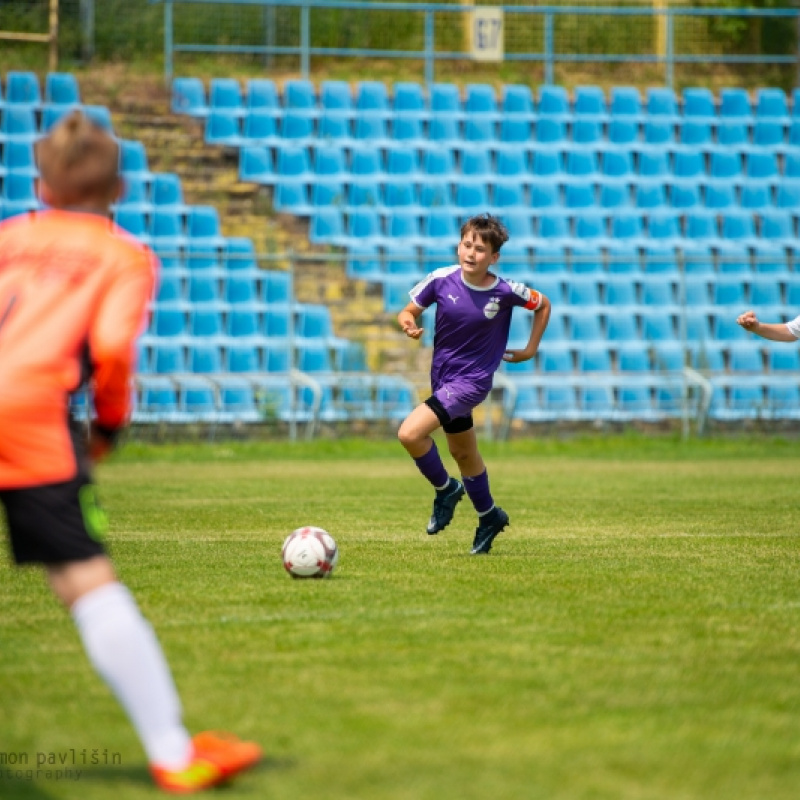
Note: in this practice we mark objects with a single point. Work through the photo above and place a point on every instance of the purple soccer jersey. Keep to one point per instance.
(472, 326)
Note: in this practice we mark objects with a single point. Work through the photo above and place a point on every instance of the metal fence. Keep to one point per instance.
(553, 42)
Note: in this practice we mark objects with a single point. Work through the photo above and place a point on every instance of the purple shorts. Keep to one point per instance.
(458, 398)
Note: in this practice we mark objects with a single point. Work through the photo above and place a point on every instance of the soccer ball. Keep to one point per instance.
(310, 552)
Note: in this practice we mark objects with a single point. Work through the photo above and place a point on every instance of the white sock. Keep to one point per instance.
(125, 652)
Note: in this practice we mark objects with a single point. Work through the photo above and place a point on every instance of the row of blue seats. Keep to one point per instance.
(643, 357)
(224, 398)
(330, 225)
(181, 319)
(22, 88)
(205, 355)
(302, 198)
(211, 285)
(621, 402)
(445, 99)
(230, 130)
(371, 164)
(659, 290)
(19, 123)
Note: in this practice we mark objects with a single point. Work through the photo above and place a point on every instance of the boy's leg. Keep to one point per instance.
(415, 436)
(491, 519)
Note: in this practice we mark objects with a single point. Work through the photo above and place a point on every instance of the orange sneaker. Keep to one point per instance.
(217, 757)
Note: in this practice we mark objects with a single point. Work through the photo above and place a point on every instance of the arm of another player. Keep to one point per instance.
(407, 319)
(777, 332)
(540, 319)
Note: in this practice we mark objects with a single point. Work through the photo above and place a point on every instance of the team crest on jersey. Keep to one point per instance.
(491, 308)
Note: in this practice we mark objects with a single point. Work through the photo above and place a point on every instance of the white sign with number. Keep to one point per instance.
(487, 34)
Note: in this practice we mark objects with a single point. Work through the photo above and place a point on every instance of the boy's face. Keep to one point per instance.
(475, 257)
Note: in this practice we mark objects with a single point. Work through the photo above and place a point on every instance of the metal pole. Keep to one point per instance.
(293, 387)
(429, 48)
(53, 59)
(305, 38)
(549, 67)
(168, 41)
(684, 346)
(670, 51)
(87, 25)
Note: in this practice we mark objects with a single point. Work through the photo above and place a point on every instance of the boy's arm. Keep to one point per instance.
(540, 319)
(776, 332)
(407, 319)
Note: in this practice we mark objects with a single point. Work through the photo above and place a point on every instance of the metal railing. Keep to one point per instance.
(669, 48)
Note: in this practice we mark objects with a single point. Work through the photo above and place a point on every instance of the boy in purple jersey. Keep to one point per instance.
(473, 317)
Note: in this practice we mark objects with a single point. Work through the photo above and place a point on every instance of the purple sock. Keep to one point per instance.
(478, 491)
(430, 465)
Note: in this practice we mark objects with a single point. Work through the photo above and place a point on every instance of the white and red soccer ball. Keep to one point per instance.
(310, 552)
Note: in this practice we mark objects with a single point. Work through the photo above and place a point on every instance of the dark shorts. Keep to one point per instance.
(55, 523)
(449, 425)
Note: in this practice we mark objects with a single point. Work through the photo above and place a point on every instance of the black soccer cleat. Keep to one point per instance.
(490, 525)
(444, 506)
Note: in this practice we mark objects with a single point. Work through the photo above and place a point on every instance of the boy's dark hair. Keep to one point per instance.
(489, 228)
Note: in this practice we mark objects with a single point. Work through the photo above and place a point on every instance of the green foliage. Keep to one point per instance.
(633, 635)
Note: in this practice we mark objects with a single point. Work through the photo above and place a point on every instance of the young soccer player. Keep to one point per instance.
(73, 296)
(776, 331)
(473, 316)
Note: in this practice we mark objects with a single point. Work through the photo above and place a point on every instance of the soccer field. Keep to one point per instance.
(635, 633)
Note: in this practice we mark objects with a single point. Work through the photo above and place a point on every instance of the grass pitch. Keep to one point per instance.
(635, 633)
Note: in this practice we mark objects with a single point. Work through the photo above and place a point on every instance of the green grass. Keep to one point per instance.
(634, 634)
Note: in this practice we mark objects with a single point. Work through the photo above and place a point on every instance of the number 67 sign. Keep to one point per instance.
(487, 34)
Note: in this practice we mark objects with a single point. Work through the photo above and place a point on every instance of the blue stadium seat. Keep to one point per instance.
(596, 401)
(660, 257)
(621, 328)
(19, 157)
(658, 290)
(772, 104)
(336, 99)
(436, 193)
(657, 327)
(658, 134)
(399, 194)
(441, 224)
(366, 164)
(23, 90)
(299, 96)
(623, 258)
(783, 359)
(260, 128)
(256, 165)
(778, 226)
(170, 288)
(202, 223)
(166, 192)
(480, 100)
(733, 135)
(617, 166)
(372, 99)
(445, 100)
(242, 357)
(409, 131)
(623, 133)
(787, 195)
(689, 167)
(590, 103)
(625, 101)
(327, 227)
(61, 89)
(579, 196)
(329, 164)
(19, 194)
(206, 322)
(699, 105)
(547, 164)
(156, 399)
(169, 320)
(581, 166)
(223, 128)
(627, 226)
(768, 134)
(168, 356)
(586, 327)
(614, 195)
(756, 196)
(662, 103)
(633, 356)
(292, 198)
(653, 167)
(408, 100)
(241, 289)
(550, 258)
(479, 132)
(720, 196)
(243, 321)
(554, 103)
(225, 94)
(18, 123)
(189, 97)
(650, 196)
(134, 221)
(133, 160)
(762, 167)
(734, 103)
(550, 133)
(403, 224)
(518, 101)
(515, 133)
(262, 97)
(695, 136)
(556, 359)
(587, 132)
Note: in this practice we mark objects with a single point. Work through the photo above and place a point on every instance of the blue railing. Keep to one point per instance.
(549, 55)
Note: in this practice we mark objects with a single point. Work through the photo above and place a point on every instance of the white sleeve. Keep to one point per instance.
(794, 327)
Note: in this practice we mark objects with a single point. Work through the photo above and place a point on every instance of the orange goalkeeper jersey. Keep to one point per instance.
(74, 291)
